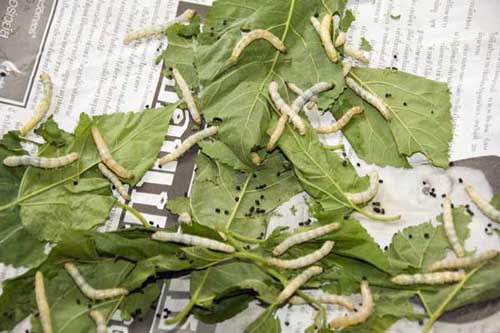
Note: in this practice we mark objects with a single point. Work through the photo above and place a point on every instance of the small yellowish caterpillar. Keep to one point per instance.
(303, 261)
(303, 237)
(42, 303)
(185, 218)
(344, 120)
(99, 321)
(326, 299)
(151, 31)
(89, 291)
(192, 241)
(297, 91)
(298, 281)
(316, 89)
(363, 313)
(347, 68)
(340, 40)
(43, 105)
(449, 228)
(297, 120)
(275, 136)
(374, 100)
(106, 156)
(326, 38)
(491, 212)
(188, 143)
(187, 96)
(41, 162)
(114, 180)
(252, 36)
(365, 196)
(429, 278)
(456, 263)
(255, 158)
(356, 54)
(316, 24)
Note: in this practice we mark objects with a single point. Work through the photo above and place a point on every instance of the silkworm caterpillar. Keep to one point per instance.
(114, 180)
(192, 241)
(255, 158)
(347, 68)
(491, 212)
(356, 54)
(99, 321)
(303, 261)
(299, 280)
(106, 157)
(368, 194)
(449, 228)
(316, 89)
(151, 31)
(188, 143)
(363, 313)
(252, 36)
(341, 38)
(187, 96)
(303, 237)
(316, 24)
(326, 299)
(42, 303)
(89, 291)
(428, 278)
(185, 218)
(297, 120)
(374, 100)
(275, 136)
(297, 91)
(43, 105)
(326, 38)
(41, 162)
(456, 263)
(339, 124)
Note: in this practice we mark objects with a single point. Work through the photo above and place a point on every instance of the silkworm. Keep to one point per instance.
(255, 158)
(43, 105)
(369, 193)
(297, 91)
(151, 31)
(339, 124)
(326, 38)
(252, 36)
(188, 143)
(347, 68)
(187, 96)
(374, 100)
(449, 228)
(41, 162)
(297, 120)
(356, 54)
(340, 40)
(278, 131)
(316, 24)
(303, 237)
(89, 291)
(303, 261)
(99, 321)
(298, 281)
(428, 278)
(185, 218)
(192, 241)
(491, 212)
(114, 180)
(42, 303)
(363, 313)
(316, 89)
(456, 263)
(326, 299)
(106, 157)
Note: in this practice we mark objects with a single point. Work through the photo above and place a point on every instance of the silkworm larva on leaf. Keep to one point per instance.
(99, 320)
(356, 54)
(303, 237)
(192, 241)
(42, 303)
(297, 120)
(43, 105)
(457, 263)
(326, 38)
(187, 96)
(316, 89)
(114, 180)
(89, 291)
(278, 131)
(347, 68)
(297, 91)
(340, 40)
(339, 124)
(369, 193)
(449, 228)
(326, 299)
(41, 162)
(316, 24)
(252, 36)
(428, 278)
(106, 157)
(185, 217)
(298, 281)
(303, 261)
(363, 313)
(491, 212)
(255, 158)
(188, 143)
(374, 100)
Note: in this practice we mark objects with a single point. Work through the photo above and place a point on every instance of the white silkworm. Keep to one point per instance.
(374, 100)
(297, 120)
(449, 228)
(42, 303)
(114, 180)
(428, 278)
(297, 91)
(89, 291)
(188, 143)
(43, 105)
(152, 31)
(187, 96)
(316, 89)
(363, 313)
(252, 36)
(326, 38)
(185, 217)
(339, 124)
(106, 157)
(298, 281)
(326, 299)
(356, 54)
(347, 68)
(341, 38)
(303, 237)
(192, 241)
(456, 263)
(368, 194)
(303, 261)
(491, 212)
(99, 321)
(255, 158)
(316, 24)
(278, 131)
(41, 162)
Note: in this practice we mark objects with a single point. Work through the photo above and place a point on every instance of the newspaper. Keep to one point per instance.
(80, 44)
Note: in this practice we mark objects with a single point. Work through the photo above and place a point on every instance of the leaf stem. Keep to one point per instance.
(246, 239)
(134, 212)
(334, 147)
(426, 307)
(376, 217)
(22, 138)
(235, 209)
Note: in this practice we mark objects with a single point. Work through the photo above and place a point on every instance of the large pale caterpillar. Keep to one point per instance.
(188, 143)
(187, 96)
(185, 217)
(151, 31)
(41, 162)
(339, 124)
(491, 212)
(428, 278)
(106, 157)
(326, 38)
(42, 303)
(99, 320)
(192, 241)
(275, 136)
(341, 38)
(297, 120)
(114, 180)
(449, 228)
(374, 100)
(316, 89)
(303, 261)
(89, 291)
(252, 36)
(326, 299)
(297, 91)
(43, 105)
(298, 281)
(316, 24)
(368, 194)
(346, 68)
(303, 237)
(362, 314)
(456, 263)
(356, 54)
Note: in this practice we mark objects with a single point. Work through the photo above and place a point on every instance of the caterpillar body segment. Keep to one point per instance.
(278, 131)
(449, 228)
(374, 100)
(43, 105)
(114, 180)
(185, 218)
(363, 313)
(187, 96)
(341, 39)
(292, 113)
(303, 261)
(326, 38)
(99, 320)
(188, 143)
(316, 89)
(491, 212)
(428, 278)
(192, 241)
(298, 281)
(42, 303)
(106, 157)
(326, 299)
(41, 162)
(368, 194)
(297, 91)
(303, 237)
(346, 68)
(253, 36)
(316, 24)
(356, 54)
(465, 262)
(342, 122)
(255, 158)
